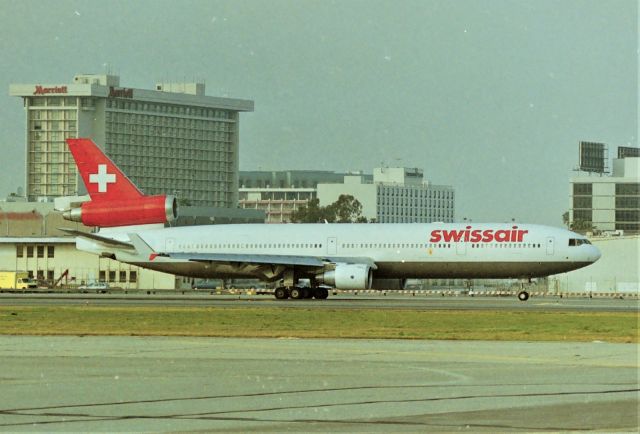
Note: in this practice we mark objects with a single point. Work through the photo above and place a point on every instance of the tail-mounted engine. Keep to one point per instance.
(128, 212)
(347, 276)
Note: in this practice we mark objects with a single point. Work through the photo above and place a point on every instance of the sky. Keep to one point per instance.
(491, 97)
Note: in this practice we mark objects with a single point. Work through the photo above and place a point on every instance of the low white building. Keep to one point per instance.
(395, 195)
(617, 271)
(46, 258)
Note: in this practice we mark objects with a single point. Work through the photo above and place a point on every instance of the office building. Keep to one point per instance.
(395, 195)
(169, 140)
(279, 193)
(608, 203)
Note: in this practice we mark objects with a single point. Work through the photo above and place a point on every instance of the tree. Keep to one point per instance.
(312, 212)
(582, 226)
(346, 209)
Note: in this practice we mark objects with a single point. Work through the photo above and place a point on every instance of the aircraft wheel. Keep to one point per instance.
(281, 293)
(523, 296)
(321, 293)
(297, 293)
(307, 293)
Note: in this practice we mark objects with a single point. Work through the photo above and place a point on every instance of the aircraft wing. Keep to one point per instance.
(307, 261)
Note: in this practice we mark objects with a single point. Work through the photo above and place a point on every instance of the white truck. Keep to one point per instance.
(16, 280)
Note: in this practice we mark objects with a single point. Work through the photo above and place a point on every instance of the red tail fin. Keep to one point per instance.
(103, 179)
(115, 201)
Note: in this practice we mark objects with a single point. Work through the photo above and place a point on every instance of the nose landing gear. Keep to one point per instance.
(523, 294)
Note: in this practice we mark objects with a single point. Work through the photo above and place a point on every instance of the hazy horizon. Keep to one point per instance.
(491, 97)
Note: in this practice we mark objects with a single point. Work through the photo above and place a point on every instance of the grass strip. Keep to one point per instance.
(320, 323)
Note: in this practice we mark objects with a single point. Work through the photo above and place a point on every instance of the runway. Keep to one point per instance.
(341, 301)
(94, 384)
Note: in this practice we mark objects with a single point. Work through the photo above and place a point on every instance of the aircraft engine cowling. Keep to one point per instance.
(347, 276)
(128, 212)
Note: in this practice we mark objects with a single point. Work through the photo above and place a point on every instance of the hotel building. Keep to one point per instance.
(169, 140)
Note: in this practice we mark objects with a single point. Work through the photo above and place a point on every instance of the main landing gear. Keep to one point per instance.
(298, 293)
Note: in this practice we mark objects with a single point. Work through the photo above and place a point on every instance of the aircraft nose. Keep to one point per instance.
(595, 254)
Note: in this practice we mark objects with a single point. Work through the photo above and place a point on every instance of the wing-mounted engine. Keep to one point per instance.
(347, 276)
(126, 212)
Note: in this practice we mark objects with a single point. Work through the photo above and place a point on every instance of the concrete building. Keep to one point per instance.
(172, 139)
(395, 195)
(276, 203)
(34, 219)
(46, 258)
(616, 272)
(31, 241)
(279, 193)
(288, 178)
(390, 195)
(610, 203)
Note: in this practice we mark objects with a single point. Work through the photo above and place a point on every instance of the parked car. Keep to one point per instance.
(95, 286)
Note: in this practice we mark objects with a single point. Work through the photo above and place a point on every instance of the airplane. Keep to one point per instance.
(354, 256)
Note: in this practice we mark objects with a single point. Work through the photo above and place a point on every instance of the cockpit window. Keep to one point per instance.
(578, 241)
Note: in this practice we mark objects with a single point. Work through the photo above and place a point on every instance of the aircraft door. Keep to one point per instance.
(550, 245)
(169, 245)
(332, 246)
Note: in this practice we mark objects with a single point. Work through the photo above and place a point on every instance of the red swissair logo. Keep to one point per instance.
(513, 235)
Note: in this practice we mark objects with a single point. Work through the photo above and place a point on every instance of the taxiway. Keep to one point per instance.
(342, 301)
(94, 384)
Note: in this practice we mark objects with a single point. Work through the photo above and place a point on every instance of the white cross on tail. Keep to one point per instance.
(102, 178)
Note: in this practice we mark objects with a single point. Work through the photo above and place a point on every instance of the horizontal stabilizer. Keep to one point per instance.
(101, 239)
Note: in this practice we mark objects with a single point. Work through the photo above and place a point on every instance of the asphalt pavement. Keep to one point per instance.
(340, 301)
(96, 384)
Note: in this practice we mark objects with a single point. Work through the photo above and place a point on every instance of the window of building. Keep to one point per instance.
(123, 276)
(582, 201)
(29, 251)
(40, 251)
(51, 251)
(582, 189)
(627, 202)
(631, 216)
(585, 215)
(133, 276)
(629, 189)
(50, 276)
(20, 251)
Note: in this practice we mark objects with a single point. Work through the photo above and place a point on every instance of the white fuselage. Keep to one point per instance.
(435, 250)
